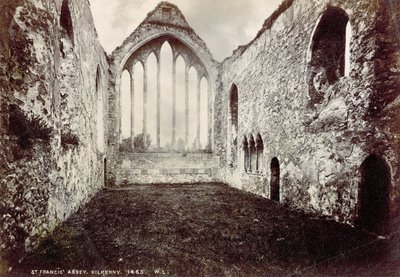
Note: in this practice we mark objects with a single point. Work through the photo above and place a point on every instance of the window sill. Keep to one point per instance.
(257, 174)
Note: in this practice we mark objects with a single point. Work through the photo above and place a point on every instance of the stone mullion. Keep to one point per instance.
(174, 102)
(210, 115)
(132, 73)
(186, 105)
(198, 112)
(158, 100)
(144, 104)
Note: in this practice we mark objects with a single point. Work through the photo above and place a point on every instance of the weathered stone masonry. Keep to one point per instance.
(321, 144)
(49, 59)
(291, 117)
(165, 23)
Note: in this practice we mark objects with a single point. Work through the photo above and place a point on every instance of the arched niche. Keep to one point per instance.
(233, 124)
(373, 195)
(245, 151)
(275, 180)
(253, 154)
(66, 21)
(327, 53)
(260, 153)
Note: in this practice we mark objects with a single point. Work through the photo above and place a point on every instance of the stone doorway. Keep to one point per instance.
(274, 185)
(373, 195)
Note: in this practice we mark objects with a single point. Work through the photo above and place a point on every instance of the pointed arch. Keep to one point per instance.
(66, 20)
(233, 124)
(245, 148)
(327, 52)
(260, 152)
(174, 110)
(252, 154)
(233, 105)
(331, 31)
(373, 195)
(275, 180)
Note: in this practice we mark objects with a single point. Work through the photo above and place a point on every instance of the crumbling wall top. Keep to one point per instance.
(165, 19)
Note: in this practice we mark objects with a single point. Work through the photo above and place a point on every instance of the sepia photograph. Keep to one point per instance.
(200, 138)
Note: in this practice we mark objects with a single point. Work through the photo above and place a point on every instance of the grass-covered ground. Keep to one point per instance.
(206, 230)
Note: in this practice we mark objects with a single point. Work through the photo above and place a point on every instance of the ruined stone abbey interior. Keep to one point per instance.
(305, 114)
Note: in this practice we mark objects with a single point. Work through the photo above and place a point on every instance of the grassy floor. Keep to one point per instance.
(205, 230)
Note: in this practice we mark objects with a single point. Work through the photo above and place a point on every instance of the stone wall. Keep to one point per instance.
(50, 163)
(165, 22)
(166, 168)
(383, 113)
(320, 145)
(308, 123)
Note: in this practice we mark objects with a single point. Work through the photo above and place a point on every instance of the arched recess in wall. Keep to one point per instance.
(373, 195)
(327, 53)
(66, 21)
(100, 112)
(233, 124)
(245, 150)
(253, 154)
(260, 153)
(275, 180)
